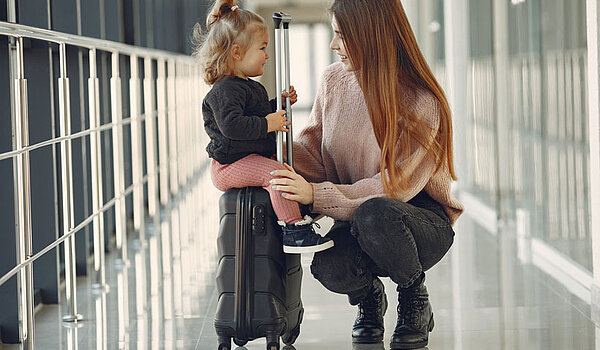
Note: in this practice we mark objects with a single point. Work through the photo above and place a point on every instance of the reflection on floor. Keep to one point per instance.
(482, 298)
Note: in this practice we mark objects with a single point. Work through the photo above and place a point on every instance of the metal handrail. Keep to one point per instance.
(71, 232)
(57, 140)
(174, 114)
(22, 31)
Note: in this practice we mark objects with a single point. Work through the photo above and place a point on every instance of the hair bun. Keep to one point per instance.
(225, 8)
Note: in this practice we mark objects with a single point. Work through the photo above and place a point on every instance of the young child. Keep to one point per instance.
(241, 120)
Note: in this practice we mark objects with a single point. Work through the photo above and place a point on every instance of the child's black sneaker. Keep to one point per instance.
(300, 237)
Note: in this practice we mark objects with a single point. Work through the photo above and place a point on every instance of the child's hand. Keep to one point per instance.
(292, 94)
(277, 122)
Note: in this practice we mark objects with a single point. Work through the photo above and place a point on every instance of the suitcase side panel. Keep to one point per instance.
(275, 278)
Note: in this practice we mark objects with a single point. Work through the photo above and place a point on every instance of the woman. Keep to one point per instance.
(379, 111)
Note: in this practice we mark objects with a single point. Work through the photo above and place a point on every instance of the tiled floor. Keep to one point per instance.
(482, 298)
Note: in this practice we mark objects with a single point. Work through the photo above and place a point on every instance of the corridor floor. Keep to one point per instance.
(483, 298)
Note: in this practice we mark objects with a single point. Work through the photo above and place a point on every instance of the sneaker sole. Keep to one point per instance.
(311, 249)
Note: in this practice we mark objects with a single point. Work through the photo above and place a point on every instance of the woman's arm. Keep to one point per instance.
(340, 201)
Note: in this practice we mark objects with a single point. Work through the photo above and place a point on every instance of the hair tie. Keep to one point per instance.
(234, 7)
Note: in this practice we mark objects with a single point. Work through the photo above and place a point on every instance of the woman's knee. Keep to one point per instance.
(323, 267)
(330, 272)
(376, 215)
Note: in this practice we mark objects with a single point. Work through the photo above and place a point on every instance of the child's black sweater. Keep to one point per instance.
(234, 113)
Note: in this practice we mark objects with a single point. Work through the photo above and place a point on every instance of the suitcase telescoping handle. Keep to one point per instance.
(282, 53)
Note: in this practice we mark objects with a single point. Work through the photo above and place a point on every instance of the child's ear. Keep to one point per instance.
(236, 52)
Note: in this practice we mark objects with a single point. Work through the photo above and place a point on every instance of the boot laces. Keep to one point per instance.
(369, 307)
(410, 307)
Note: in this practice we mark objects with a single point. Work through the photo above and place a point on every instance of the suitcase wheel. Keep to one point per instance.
(224, 343)
(272, 341)
(290, 337)
(240, 342)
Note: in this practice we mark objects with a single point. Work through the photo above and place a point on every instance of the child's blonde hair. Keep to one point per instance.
(227, 25)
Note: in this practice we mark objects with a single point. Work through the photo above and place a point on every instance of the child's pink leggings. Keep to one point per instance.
(253, 170)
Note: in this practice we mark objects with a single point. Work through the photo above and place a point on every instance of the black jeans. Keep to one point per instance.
(386, 237)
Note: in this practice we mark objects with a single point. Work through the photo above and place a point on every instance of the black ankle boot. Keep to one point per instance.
(415, 318)
(368, 327)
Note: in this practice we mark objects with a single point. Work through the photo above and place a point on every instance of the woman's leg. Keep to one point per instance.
(403, 239)
(254, 170)
(346, 269)
(406, 239)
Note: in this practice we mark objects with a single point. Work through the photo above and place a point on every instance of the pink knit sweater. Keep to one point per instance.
(338, 153)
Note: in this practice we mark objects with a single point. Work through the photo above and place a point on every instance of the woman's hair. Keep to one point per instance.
(383, 50)
(226, 25)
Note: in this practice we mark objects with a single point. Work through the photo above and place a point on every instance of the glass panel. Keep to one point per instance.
(482, 150)
(549, 119)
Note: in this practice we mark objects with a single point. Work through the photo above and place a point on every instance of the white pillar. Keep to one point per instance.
(457, 45)
(594, 137)
(503, 137)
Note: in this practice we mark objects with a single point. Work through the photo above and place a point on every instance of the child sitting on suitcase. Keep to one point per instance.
(241, 120)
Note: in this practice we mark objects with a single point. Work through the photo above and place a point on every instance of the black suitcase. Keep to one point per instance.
(258, 285)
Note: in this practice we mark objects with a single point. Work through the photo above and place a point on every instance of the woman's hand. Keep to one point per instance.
(293, 186)
(292, 94)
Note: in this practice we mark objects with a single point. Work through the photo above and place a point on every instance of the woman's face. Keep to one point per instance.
(337, 44)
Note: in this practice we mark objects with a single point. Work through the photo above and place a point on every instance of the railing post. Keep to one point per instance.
(172, 126)
(67, 188)
(23, 199)
(149, 98)
(96, 170)
(118, 158)
(163, 139)
(136, 149)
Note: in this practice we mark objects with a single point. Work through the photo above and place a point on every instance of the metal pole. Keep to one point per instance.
(149, 98)
(172, 126)
(23, 199)
(96, 170)
(67, 188)
(288, 106)
(163, 139)
(136, 149)
(118, 161)
(180, 125)
(277, 22)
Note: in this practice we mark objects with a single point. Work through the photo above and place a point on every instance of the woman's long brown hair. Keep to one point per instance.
(382, 48)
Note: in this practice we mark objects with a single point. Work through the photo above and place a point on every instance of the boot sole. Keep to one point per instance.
(367, 340)
(406, 346)
(310, 249)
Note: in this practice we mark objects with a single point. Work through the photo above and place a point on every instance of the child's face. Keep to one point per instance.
(253, 62)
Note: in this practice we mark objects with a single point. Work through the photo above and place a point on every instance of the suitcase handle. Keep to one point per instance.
(282, 53)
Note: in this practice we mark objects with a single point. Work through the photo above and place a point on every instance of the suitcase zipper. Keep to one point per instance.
(244, 264)
(240, 288)
(249, 263)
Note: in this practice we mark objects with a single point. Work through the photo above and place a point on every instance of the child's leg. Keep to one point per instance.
(254, 170)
